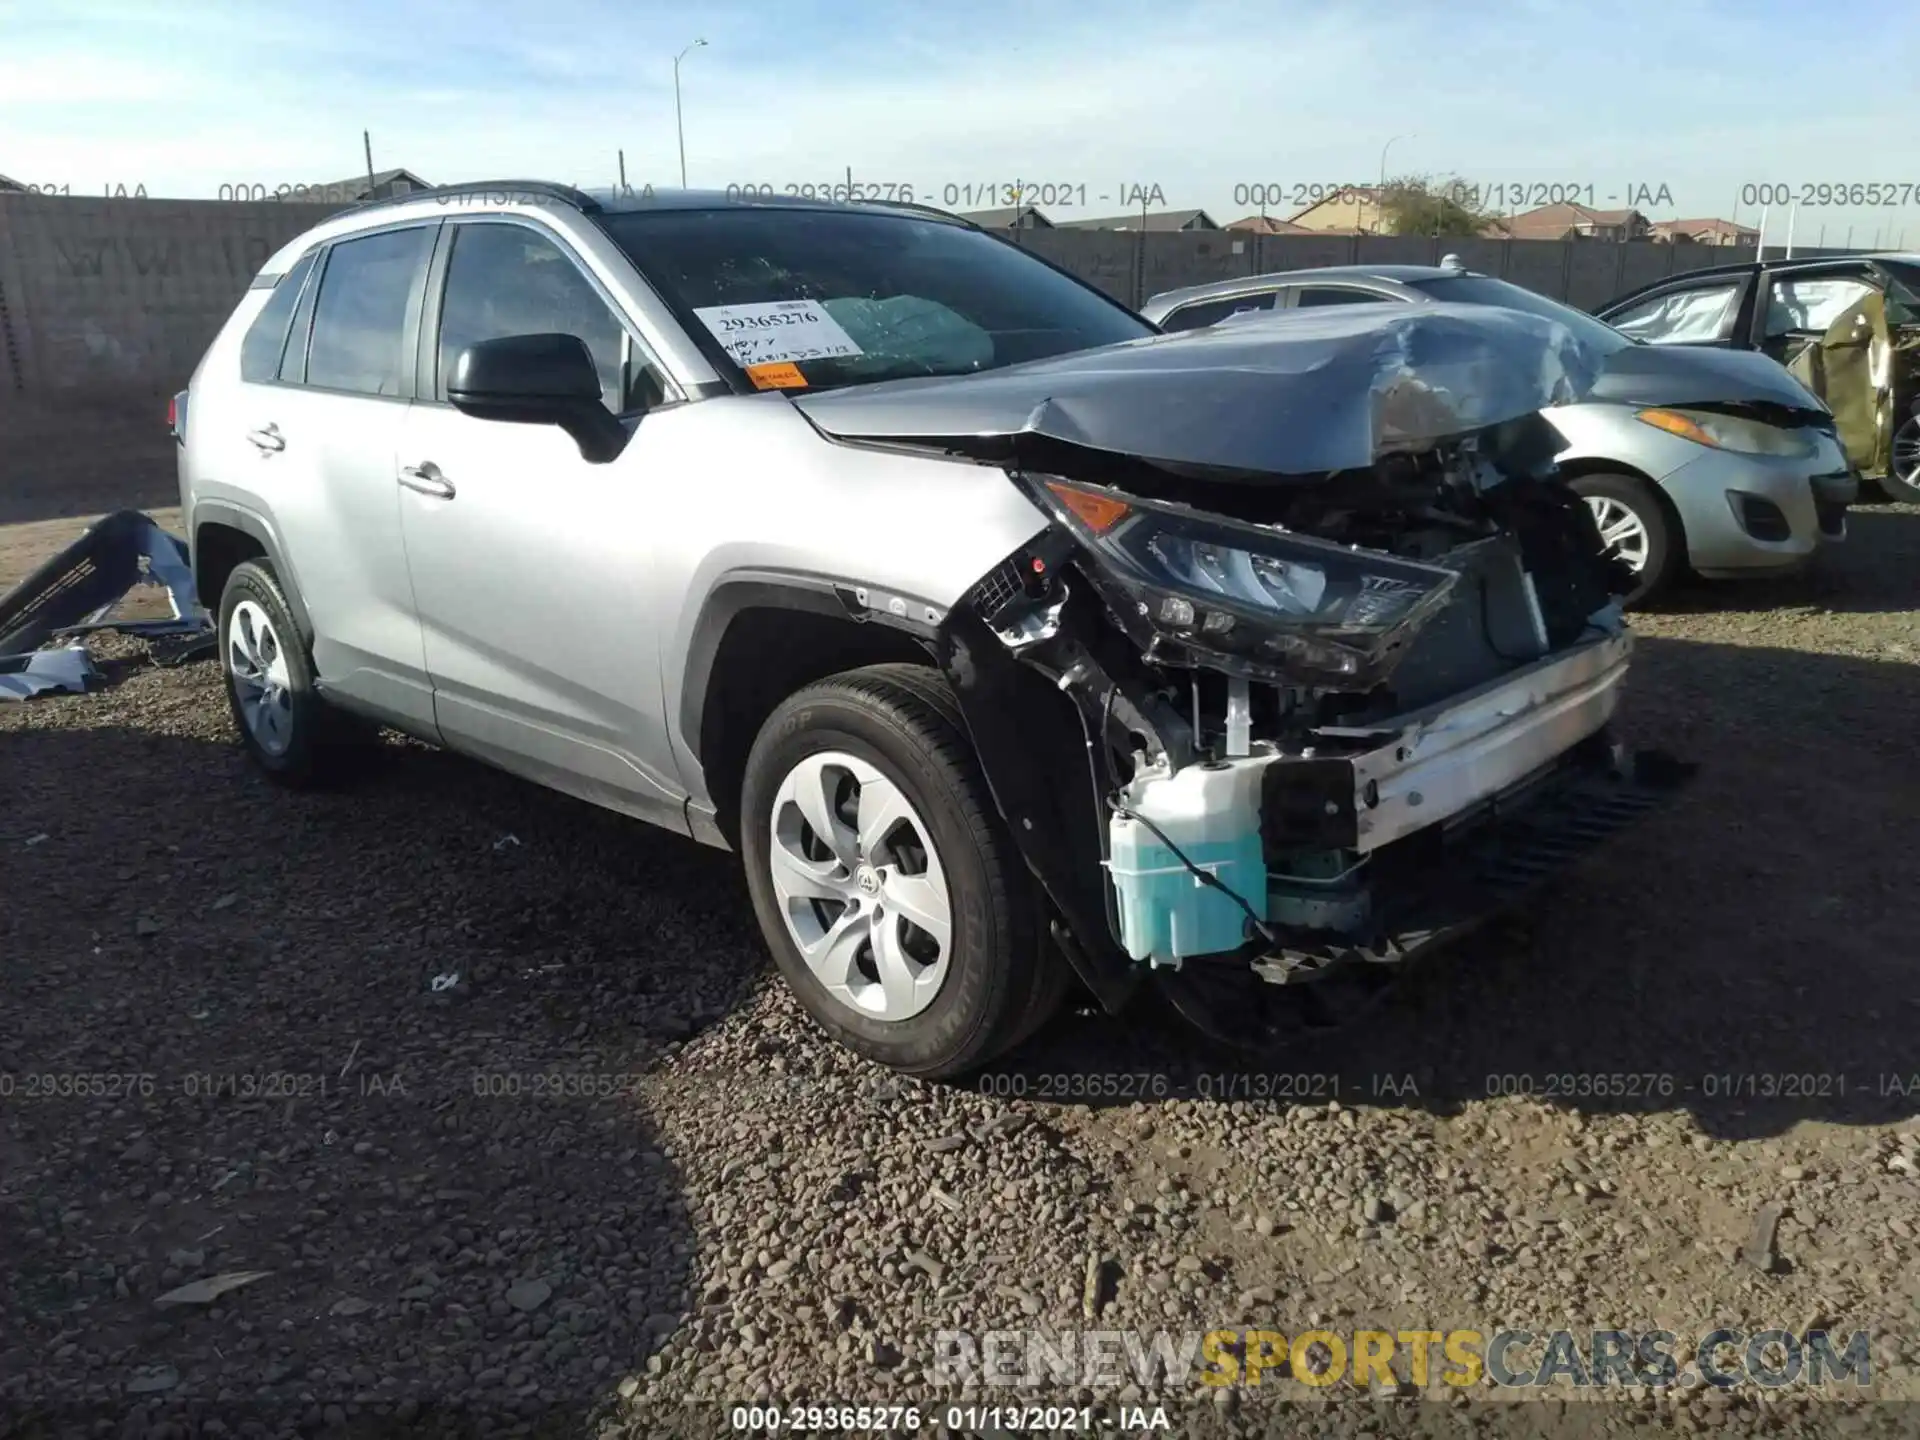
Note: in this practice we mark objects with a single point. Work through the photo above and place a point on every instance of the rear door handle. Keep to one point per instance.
(268, 437)
(426, 480)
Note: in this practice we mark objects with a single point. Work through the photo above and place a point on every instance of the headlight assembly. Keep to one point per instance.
(1729, 432)
(1194, 589)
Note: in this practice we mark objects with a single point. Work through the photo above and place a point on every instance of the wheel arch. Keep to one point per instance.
(1589, 465)
(761, 636)
(223, 537)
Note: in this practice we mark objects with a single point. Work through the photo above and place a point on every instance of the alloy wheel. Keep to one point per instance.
(860, 886)
(258, 665)
(1624, 532)
(1906, 453)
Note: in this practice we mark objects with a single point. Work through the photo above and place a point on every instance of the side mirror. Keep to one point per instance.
(538, 380)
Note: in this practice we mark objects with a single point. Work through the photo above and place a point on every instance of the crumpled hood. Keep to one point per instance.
(1695, 375)
(1301, 394)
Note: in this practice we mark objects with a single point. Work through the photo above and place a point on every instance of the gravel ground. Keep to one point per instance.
(497, 1092)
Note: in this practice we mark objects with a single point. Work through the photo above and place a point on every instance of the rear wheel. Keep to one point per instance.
(1902, 480)
(884, 880)
(1634, 525)
(290, 732)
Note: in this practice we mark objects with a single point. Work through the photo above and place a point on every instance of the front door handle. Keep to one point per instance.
(426, 480)
(268, 437)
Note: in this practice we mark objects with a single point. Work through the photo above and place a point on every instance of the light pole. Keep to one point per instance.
(1380, 195)
(678, 125)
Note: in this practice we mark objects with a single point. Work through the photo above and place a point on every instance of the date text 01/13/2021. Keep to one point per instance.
(962, 1419)
(957, 195)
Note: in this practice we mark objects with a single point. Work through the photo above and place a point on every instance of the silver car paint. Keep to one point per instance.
(557, 601)
(1698, 480)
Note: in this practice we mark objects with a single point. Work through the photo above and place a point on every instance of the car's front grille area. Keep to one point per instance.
(1831, 513)
(998, 589)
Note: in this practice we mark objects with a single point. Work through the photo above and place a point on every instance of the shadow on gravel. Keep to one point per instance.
(1875, 570)
(1746, 956)
(223, 1052)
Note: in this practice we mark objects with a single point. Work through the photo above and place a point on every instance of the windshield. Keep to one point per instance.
(820, 298)
(1480, 290)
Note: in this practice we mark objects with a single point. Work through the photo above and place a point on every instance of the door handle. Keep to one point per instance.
(426, 480)
(268, 437)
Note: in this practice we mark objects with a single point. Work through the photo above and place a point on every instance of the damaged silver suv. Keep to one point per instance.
(1008, 640)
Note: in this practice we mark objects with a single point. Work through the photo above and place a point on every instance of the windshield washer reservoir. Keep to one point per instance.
(1211, 814)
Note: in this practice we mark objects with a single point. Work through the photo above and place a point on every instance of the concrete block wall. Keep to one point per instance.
(106, 299)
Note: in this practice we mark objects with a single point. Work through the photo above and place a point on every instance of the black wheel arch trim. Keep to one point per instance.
(836, 596)
(235, 517)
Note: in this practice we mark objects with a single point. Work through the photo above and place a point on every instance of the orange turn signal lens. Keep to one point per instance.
(1099, 513)
(1674, 423)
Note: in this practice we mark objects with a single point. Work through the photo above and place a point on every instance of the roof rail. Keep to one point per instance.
(918, 208)
(545, 189)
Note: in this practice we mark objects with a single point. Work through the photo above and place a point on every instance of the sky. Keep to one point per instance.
(1685, 107)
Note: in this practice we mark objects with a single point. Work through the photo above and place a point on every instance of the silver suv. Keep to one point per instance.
(1008, 640)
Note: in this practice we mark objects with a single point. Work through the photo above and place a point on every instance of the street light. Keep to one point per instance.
(678, 124)
(1380, 195)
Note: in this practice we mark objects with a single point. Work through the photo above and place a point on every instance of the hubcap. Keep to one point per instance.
(1624, 532)
(1906, 452)
(861, 886)
(258, 667)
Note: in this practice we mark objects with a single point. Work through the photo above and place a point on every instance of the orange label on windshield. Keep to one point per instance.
(781, 375)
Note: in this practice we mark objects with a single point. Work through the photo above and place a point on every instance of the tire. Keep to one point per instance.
(1902, 480)
(892, 735)
(288, 730)
(1618, 500)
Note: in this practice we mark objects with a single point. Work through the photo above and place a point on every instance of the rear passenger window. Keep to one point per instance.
(1336, 295)
(266, 338)
(1210, 312)
(359, 339)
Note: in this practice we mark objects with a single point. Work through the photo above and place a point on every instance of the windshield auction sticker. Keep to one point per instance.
(780, 375)
(777, 331)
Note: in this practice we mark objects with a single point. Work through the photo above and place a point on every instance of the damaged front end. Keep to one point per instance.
(1296, 728)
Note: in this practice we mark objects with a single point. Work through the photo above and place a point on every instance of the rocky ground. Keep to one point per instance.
(486, 1108)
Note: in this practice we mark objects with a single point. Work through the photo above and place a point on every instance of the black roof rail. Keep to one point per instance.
(918, 208)
(505, 189)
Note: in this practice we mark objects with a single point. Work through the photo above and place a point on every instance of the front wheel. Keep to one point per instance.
(884, 879)
(1902, 480)
(1634, 526)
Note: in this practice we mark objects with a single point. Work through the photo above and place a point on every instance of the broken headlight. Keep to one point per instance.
(1196, 588)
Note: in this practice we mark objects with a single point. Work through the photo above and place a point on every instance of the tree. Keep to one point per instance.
(1424, 205)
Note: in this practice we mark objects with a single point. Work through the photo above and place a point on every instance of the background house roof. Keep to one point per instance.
(1154, 220)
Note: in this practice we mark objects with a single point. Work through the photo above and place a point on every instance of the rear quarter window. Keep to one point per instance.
(266, 337)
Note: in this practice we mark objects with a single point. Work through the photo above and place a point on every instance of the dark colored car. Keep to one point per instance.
(1848, 327)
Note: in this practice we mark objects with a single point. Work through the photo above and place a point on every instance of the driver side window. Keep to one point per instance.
(511, 280)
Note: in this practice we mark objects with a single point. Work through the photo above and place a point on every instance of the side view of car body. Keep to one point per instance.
(1723, 466)
(1007, 640)
(1849, 326)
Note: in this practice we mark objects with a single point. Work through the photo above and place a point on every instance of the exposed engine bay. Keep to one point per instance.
(1287, 692)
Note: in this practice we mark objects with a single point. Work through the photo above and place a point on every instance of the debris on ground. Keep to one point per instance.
(74, 594)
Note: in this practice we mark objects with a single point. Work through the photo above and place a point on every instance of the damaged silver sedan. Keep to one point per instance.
(1006, 639)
